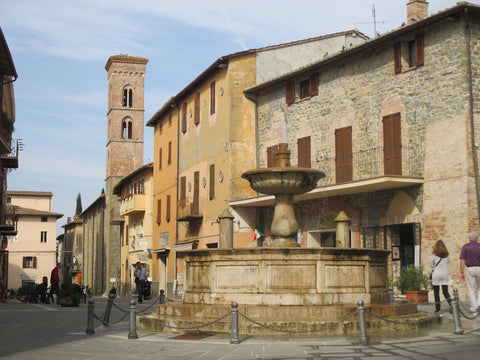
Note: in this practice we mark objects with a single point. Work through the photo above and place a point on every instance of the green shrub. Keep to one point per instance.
(412, 278)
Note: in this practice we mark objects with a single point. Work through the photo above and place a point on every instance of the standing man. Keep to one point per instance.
(470, 257)
(140, 280)
(55, 282)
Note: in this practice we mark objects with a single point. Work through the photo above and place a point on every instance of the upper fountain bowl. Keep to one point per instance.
(289, 180)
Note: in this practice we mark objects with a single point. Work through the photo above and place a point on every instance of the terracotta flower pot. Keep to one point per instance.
(417, 296)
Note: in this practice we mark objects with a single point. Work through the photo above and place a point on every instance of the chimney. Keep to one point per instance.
(416, 10)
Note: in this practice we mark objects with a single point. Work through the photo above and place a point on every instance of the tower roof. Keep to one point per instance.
(125, 58)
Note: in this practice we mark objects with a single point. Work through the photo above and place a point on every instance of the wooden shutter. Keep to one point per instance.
(212, 98)
(419, 50)
(183, 187)
(196, 119)
(290, 93)
(168, 208)
(169, 153)
(271, 156)
(159, 211)
(184, 117)
(343, 154)
(212, 182)
(392, 145)
(304, 152)
(196, 192)
(160, 159)
(34, 262)
(314, 84)
(24, 262)
(397, 57)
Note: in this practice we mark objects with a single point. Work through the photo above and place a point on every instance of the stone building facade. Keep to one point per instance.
(394, 124)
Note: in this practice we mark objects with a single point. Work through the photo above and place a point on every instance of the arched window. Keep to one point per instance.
(127, 129)
(127, 97)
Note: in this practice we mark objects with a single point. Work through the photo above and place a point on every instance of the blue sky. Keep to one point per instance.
(60, 49)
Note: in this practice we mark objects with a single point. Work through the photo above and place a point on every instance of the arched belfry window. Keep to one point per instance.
(127, 97)
(126, 129)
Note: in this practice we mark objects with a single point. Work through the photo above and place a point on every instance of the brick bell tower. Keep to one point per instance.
(124, 145)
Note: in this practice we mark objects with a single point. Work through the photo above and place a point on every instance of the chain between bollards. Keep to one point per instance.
(90, 329)
(108, 310)
(361, 321)
(132, 334)
(456, 313)
(234, 337)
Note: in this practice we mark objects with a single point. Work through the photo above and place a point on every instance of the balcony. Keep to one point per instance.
(8, 227)
(188, 210)
(368, 174)
(10, 160)
(132, 203)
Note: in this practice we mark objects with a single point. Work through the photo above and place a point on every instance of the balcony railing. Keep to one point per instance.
(188, 210)
(369, 164)
(132, 203)
(10, 160)
(8, 223)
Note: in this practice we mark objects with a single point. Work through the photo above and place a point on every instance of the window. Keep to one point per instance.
(29, 262)
(343, 154)
(304, 89)
(43, 236)
(160, 159)
(44, 219)
(212, 98)
(169, 160)
(196, 120)
(307, 88)
(168, 209)
(183, 187)
(160, 126)
(184, 117)
(271, 156)
(9, 200)
(170, 120)
(159, 211)
(304, 152)
(126, 129)
(392, 145)
(127, 97)
(410, 53)
(212, 182)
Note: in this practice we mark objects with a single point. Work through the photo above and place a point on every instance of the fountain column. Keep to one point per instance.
(226, 230)
(343, 231)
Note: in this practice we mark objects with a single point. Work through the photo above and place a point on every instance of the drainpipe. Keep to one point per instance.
(174, 104)
(471, 111)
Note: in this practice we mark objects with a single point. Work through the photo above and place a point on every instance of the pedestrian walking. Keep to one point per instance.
(440, 273)
(55, 282)
(140, 280)
(470, 259)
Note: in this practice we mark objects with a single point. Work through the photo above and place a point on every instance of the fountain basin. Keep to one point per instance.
(286, 276)
(273, 181)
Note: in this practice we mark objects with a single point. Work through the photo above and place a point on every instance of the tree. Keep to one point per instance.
(78, 209)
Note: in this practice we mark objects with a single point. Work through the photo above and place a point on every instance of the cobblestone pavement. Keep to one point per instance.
(41, 331)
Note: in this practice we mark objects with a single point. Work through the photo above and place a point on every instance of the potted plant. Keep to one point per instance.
(68, 295)
(414, 284)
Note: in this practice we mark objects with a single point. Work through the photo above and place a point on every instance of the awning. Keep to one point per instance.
(164, 250)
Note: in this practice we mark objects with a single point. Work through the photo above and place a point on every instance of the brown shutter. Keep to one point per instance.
(419, 50)
(159, 211)
(212, 181)
(24, 262)
(196, 192)
(196, 120)
(212, 98)
(184, 117)
(343, 154)
(304, 152)
(314, 84)
(169, 153)
(397, 57)
(183, 187)
(168, 208)
(34, 262)
(271, 155)
(392, 145)
(290, 93)
(160, 159)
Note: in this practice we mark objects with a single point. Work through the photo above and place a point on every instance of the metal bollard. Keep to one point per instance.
(108, 310)
(456, 313)
(90, 330)
(132, 334)
(361, 321)
(161, 299)
(234, 338)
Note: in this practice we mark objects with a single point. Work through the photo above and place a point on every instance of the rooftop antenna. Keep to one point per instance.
(375, 22)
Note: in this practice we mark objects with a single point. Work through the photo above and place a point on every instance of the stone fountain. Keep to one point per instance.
(283, 285)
